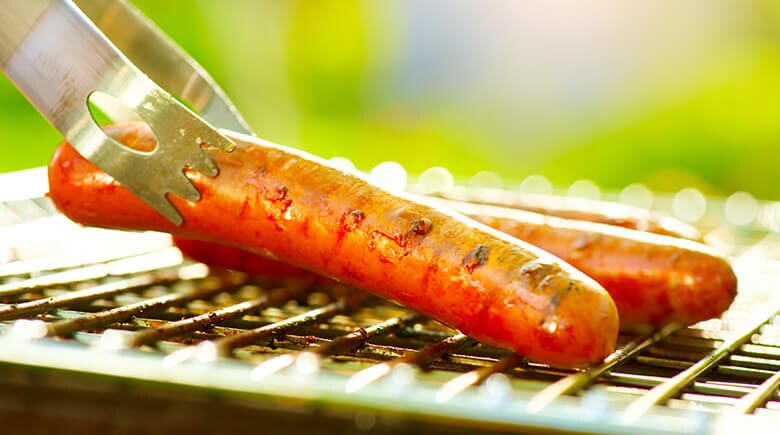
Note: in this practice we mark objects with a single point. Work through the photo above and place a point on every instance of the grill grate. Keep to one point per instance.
(127, 305)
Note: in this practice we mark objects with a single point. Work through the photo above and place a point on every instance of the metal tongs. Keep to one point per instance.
(63, 54)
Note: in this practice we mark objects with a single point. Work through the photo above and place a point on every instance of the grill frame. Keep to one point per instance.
(707, 377)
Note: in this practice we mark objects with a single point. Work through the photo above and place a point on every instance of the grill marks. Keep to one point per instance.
(393, 247)
(422, 226)
(349, 222)
(270, 192)
(110, 289)
(278, 197)
(534, 272)
(476, 257)
(546, 279)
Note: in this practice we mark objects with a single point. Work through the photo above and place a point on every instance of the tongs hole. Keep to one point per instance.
(106, 110)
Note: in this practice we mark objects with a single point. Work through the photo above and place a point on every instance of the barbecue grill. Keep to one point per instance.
(114, 332)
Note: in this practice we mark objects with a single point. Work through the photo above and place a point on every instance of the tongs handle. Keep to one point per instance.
(57, 57)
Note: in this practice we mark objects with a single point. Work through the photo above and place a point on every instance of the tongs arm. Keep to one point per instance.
(57, 57)
(160, 58)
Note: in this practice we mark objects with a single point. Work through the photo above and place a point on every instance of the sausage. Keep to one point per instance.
(653, 279)
(228, 257)
(602, 212)
(288, 205)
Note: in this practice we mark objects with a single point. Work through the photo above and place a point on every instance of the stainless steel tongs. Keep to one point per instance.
(60, 53)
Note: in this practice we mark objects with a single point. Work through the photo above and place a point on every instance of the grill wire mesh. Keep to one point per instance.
(127, 305)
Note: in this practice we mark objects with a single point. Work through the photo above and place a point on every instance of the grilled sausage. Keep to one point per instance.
(602, 212)
(653, 279)
(286, 204)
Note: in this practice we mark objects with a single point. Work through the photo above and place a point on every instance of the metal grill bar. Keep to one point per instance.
(338, 345)
(225, 346)
(673, 386)
(749, 402)
(475, 377)
(357, 338)
(69, 260)
(103, 291)
(69, 326)
(435, 351)
(161, 259)
(422, 357)
(201, 321)
(578, 381)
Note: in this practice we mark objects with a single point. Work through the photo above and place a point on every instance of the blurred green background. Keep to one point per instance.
(666, 93)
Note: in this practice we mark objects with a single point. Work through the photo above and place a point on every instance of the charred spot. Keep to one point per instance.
(422, 226)
(555, 301)
(534, 273)
(410, 239)
(557, 293)
(388, 247)
(384, 259)
(351, 219)
(555, 286)
(279, 193)
(476, 257)
(348, 222)
(277, 196)
(275, 221)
